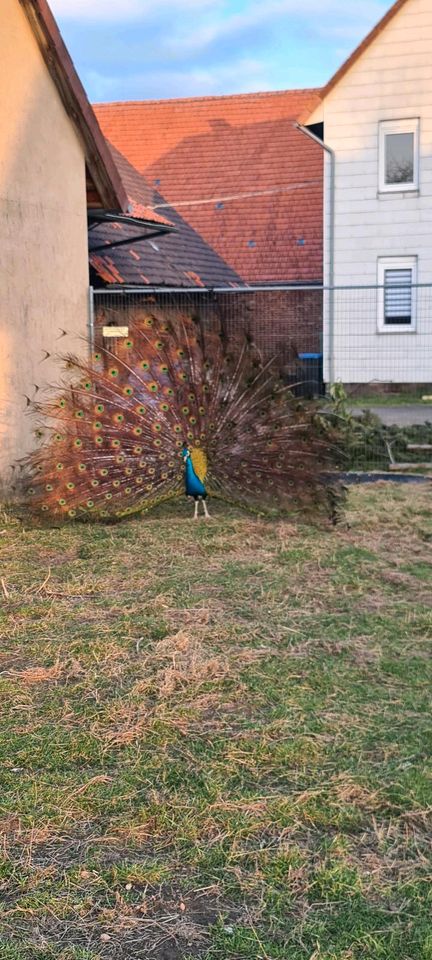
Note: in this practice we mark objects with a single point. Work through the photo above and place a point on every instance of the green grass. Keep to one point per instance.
(215, 739)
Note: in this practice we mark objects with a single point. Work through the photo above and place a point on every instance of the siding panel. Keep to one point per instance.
(392, 80)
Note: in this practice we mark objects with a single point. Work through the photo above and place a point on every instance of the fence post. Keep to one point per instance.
(331, 317)
(91, 316)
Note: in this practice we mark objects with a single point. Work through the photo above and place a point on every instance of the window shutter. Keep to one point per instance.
(397, 296)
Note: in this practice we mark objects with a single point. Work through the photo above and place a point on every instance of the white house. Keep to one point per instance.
(375, 117)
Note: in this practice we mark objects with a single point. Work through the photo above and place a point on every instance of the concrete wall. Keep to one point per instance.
(43, 248)
(391, 81)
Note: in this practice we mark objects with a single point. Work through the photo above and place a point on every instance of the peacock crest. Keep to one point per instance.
(176, 407)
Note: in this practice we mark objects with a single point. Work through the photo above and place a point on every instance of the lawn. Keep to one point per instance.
(215, 737)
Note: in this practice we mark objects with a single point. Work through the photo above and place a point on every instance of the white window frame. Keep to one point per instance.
(397, 263)
(386, 127)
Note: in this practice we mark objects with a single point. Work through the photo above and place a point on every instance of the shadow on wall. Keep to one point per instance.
(43, 254)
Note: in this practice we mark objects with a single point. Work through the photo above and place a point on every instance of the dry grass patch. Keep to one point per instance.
(215, 738)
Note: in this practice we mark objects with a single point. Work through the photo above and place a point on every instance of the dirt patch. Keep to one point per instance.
(130, 921)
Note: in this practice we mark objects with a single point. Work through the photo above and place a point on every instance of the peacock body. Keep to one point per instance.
(176, 407)
(195, 473)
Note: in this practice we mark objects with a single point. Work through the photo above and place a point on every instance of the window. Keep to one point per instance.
(397, 294)
(399, 156)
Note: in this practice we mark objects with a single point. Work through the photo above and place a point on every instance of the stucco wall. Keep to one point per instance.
(391, 81)
(43, 248)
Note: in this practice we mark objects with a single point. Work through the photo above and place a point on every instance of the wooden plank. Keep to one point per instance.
(401, 467)
(108, 332)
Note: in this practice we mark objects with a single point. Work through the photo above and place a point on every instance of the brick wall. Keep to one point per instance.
(283, 323)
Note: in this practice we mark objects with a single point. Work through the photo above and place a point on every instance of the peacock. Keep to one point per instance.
(195, 474)
(178, 406)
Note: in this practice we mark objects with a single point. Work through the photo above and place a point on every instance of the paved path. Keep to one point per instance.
(404, 415)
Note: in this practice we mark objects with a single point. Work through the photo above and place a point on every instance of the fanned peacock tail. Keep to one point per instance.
(118, 430)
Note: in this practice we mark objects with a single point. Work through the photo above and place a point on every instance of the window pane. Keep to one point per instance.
(397, 296)
(399, 158)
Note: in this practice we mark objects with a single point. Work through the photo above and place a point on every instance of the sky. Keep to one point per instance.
(153, 49)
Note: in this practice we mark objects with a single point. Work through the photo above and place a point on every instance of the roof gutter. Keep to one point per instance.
(129, 241)
(98, 218)
(331, 243)
(126, 289)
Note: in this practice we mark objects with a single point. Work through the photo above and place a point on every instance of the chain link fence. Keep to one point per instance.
(365, 352)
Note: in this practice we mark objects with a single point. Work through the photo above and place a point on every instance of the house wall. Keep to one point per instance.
(392, 80)
(43, 229)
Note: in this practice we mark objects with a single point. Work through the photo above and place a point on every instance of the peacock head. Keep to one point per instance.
(185, 452)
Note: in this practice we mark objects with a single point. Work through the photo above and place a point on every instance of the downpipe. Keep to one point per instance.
(331, 244)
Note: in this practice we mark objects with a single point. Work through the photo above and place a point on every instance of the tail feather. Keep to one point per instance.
(116, 428)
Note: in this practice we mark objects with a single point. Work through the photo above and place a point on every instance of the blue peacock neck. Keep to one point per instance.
(194, 486)
(190, 472)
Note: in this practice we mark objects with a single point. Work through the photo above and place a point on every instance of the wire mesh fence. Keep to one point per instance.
(379, 338)
(365, 352)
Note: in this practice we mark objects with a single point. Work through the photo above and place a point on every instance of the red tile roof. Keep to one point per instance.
(238, 172)
(175, 259)
(140, 195)
(141, 212)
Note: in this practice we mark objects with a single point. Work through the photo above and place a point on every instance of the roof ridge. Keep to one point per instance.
(362, 47)
(220, 96)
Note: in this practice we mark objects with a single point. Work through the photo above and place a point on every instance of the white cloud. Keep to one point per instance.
(127, 49)
(336, 20)
(220, 18)
(120, 11)
(243, 76)
(83, 10)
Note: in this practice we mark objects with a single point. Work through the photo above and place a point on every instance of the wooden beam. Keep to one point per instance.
(402, 467)
(419, 446)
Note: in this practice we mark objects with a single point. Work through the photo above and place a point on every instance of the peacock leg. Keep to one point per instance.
(206, 513)
(196, 510)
